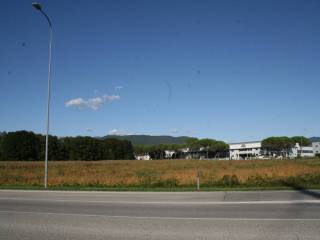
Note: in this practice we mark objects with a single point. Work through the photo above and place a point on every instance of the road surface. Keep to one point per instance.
(158, 215)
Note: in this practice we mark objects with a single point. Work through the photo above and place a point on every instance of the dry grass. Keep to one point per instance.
(134, 173)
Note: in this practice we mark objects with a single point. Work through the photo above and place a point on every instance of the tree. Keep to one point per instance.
(303, 141)
(140, 149)
(20, 145)
(192, 143)
(213, 147)
(56, 150)
(116, 149)
(83, 148)
(23, 145)
(280, 146)
(219, 148)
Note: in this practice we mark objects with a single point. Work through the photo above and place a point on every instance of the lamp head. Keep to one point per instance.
(37, 6)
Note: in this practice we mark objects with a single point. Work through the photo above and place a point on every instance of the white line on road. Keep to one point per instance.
(165, 202)
(167, 218)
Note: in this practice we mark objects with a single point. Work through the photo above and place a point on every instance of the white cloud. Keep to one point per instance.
(118, 88)
(77, 102)
(116, 132)
(111, 98)
(93, 103)
(119, 132)
(89, 129)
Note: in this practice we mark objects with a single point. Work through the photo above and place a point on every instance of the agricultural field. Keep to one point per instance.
(163, 174)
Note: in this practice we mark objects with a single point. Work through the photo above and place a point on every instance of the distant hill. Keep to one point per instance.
(150, 140)
(314, 139)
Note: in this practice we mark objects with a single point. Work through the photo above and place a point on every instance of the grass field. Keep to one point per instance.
(164, 174)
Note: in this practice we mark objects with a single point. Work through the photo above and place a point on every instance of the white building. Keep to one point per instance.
(249, 150)
(169, 153)
(185, 150)
(304, 151)
(316, 147)
(245, 150)
(142, 157)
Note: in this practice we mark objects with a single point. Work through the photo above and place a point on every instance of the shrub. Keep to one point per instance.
(228, 180)
(170, 183)
(259, 181)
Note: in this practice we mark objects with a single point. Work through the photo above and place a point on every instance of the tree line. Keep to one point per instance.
(281, 146)
(209, 147)
(24, 145)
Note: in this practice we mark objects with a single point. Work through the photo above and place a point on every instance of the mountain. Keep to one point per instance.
(314, 139)
(150, 140)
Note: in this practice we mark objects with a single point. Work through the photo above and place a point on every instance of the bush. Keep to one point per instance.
(170, 183)
(228, 180)
(260, 181)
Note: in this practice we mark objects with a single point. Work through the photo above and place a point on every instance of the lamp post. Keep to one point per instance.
(38, 7)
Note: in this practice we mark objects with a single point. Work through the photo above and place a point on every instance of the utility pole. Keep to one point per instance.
(38, 7)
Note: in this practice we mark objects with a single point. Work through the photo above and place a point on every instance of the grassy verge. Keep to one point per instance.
(150, 189)
(177, 175)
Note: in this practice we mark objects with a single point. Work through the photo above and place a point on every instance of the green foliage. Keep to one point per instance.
(20, 145)
(117, 149)
(56, 151)
(193, 143)
(83, 148)
(167, 183)
(23, 145)
(278, 145)
(300, 139)
(303, 180)
(211, 147)
(228, 180)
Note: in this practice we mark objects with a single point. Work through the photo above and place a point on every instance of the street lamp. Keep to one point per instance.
(38, 7)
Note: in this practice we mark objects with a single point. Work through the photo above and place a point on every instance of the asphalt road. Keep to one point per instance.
(145, 215)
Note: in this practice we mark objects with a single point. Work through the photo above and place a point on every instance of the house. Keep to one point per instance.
(169, 153)
(316, 147)
(304, 151)
(245, 150)
(145, 156)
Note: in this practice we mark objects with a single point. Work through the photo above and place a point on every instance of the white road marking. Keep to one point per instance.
(164, 202)
(167, 218)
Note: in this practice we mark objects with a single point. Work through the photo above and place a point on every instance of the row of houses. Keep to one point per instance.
(240, 151)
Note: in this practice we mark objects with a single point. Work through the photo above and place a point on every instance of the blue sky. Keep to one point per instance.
(230, 70)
